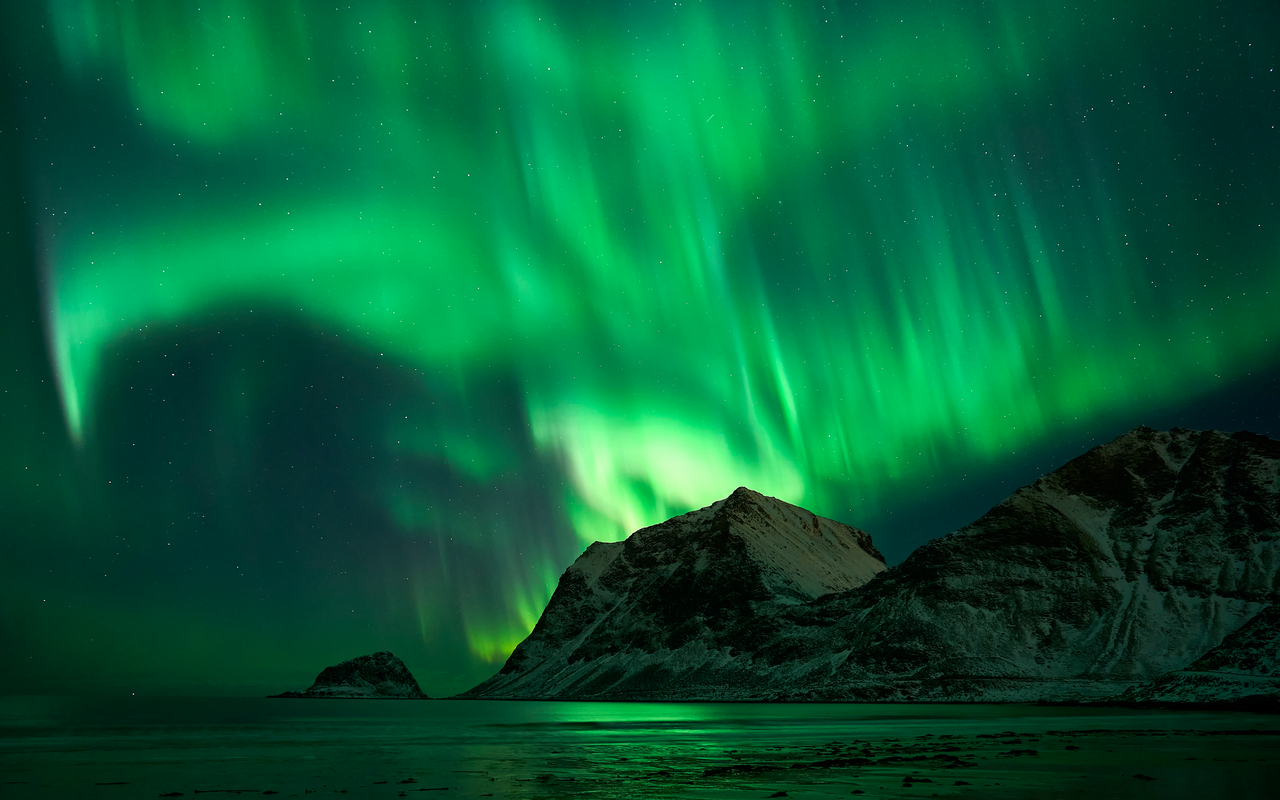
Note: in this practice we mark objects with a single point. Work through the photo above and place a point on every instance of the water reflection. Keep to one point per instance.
(58, 747)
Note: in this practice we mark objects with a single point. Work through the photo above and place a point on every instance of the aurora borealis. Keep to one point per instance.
(340, 329)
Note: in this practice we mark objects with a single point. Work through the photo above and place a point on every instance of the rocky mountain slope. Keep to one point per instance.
(1246, 665)
(1127, 563)
(698, 591)
(378, 676)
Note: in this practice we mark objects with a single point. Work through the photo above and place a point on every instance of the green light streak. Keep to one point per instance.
(717, 245)
(493, 629)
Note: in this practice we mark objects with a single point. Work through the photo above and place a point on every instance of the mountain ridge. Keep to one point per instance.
(1129, 562)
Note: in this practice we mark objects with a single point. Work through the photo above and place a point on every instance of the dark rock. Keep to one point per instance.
(378, 676)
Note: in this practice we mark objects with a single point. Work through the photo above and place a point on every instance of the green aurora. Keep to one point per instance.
(593, 265)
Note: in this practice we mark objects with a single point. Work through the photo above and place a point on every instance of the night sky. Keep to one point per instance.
(330, 330)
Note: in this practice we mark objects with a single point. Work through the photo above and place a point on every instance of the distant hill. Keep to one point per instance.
(380, 676)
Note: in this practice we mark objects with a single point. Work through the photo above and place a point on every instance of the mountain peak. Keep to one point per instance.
(703, 584)
(745, 498)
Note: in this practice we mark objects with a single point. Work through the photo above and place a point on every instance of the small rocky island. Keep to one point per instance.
(380, 676)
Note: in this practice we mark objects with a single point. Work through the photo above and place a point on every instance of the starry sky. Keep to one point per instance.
(335, 329)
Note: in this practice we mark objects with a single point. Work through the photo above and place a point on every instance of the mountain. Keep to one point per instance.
(1126, 563)
(1129, 562)
(379, 676)
(669, 607)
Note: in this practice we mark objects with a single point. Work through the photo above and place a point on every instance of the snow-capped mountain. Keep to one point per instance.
(682, 598)
(1127, 563)
(378, 676)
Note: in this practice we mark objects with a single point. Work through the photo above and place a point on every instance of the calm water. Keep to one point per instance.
(150, 747)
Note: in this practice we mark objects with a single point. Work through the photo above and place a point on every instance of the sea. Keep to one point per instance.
(148, 747)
